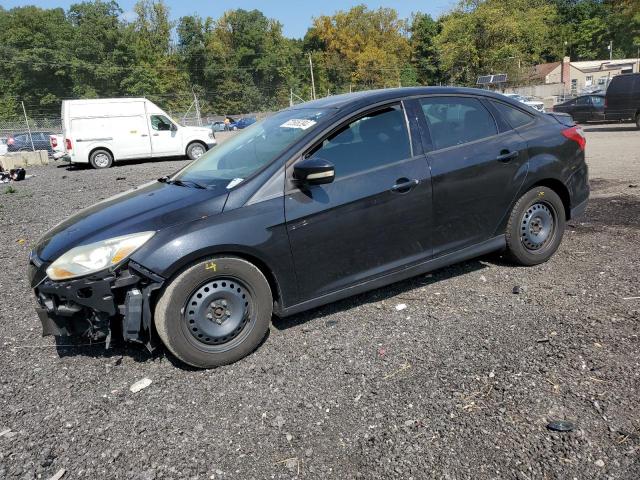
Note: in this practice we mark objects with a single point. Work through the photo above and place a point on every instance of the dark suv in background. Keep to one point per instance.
(622, 101)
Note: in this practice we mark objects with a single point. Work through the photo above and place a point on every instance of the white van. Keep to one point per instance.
(102, 131)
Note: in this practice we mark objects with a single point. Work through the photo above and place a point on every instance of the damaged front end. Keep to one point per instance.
(98, 305)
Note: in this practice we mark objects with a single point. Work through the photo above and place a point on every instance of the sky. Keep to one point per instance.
(294, 15)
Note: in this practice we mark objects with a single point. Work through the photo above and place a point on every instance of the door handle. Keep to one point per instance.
(144, 135)
(156, 134)
(404, 185)
(506, 155)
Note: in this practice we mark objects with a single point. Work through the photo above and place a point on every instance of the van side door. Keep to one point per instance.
(166, 138)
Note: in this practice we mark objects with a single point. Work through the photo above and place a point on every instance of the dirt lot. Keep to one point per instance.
(460, 384)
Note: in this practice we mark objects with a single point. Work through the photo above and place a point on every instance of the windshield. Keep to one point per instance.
(247, 152)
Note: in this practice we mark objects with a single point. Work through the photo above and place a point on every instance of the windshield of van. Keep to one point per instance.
(248, 151)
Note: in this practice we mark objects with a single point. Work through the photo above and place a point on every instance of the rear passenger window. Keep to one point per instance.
(597, 101)
(374, 140)
(457, 120)
(513, 116)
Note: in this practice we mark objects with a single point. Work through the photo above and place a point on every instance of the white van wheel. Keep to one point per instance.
(101, 159)
(195, 150)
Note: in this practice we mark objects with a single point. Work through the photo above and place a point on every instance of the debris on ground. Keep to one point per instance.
(140, 385)
(560, 426)
(59, 474)
(401, 306)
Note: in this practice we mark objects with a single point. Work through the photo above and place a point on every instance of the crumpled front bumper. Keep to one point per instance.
(92, 306)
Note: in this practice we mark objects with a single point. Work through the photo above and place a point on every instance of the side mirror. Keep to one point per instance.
(173, 128)
(314, 171)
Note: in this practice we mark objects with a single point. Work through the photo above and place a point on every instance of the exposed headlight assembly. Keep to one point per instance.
(92, 258)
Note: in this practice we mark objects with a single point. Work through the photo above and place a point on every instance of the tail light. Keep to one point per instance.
(605, 102)
(67, 143)
(576, 134)
(54, 141)
(11, 141)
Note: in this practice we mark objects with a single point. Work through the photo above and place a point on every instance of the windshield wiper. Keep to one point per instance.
(182, 183)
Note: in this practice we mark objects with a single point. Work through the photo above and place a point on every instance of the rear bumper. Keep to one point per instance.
(92, 306)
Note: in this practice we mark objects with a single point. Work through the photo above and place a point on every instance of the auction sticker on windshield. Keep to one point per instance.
(298, 123)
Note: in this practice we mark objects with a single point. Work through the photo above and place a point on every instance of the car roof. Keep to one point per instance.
(374, 96)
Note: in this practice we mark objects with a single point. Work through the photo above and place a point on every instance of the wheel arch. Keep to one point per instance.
(561, 189)
(191, 142)
(259, 263)
(94, 149)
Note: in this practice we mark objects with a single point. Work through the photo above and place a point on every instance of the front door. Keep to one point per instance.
(476, 171)
(376, 215)
(165, 137)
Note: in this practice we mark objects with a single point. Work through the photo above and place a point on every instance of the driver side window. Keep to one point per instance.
(160, 123)
(376, 139)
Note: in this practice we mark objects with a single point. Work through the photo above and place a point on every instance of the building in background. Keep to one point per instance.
(585, 77)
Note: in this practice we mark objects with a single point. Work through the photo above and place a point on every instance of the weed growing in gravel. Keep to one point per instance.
(10, 189)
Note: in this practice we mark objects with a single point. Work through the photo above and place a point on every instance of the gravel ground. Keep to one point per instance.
(459, 384)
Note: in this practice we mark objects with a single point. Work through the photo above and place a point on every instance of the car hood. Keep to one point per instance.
(152, 206)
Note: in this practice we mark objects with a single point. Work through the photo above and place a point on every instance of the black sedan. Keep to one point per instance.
(21, 142)
(586, 108)
(315, 203)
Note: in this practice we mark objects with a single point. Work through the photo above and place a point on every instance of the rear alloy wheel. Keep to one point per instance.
(215, 312)
(101, 159)
(535, 227)
(195, 150)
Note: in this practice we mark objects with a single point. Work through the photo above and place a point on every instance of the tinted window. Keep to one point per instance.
(20, 138)
(598, 101)
(160, 122)
(457, 120)
(583, 101)
(513, 116)
(377, 139)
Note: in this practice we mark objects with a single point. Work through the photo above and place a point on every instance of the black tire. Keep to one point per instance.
(638, 121)
(100, 159)
(196, 338)
(536, 226)
(195, 150)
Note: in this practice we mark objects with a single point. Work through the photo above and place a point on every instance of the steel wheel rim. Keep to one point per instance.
(197, 151)
(101, 160)
(538, 226)
(217, 314)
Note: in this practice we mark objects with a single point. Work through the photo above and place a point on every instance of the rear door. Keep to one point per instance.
(621, 102)
(477, 166)
(165, 137)
(376, 215)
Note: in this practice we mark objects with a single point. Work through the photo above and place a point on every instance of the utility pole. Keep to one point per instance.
(313, 83)
(291, 97)
(197, 104)
(611, 50)
(33, 148)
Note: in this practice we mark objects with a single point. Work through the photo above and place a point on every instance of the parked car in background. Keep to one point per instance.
(20, 142)
(233, 124)
(622, 100)
(3, 146)
(103, 131)
(538, 105)
(217, 127)
(244, 122)
(586, 108)
(316, 203)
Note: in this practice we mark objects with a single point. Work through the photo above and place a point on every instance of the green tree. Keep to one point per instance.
(424, 56)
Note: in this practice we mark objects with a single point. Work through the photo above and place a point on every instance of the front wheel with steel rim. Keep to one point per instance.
(214, 312)
(536, 226)
(101, 159)
(195, 150)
